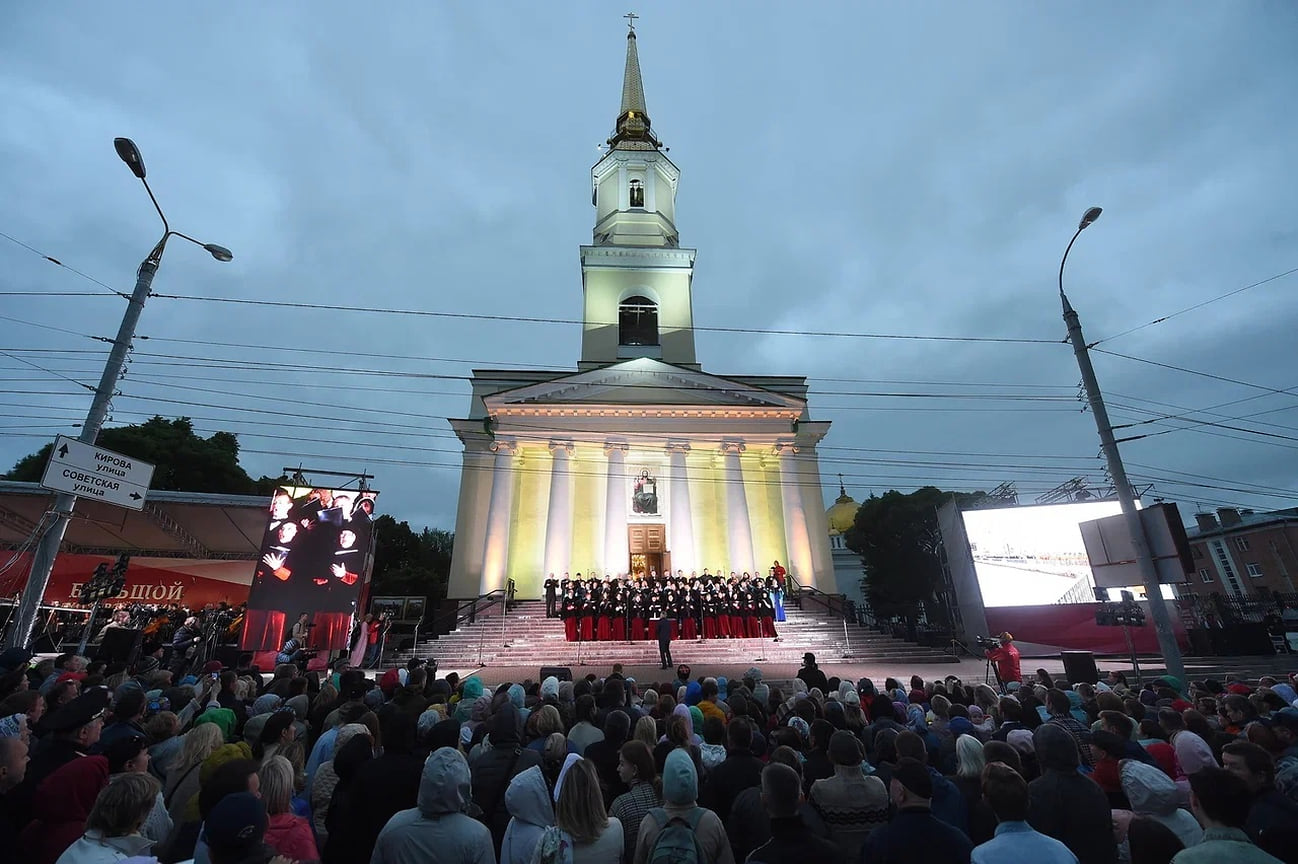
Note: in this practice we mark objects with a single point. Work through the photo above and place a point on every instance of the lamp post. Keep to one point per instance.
(48, 548)
(1148, 573)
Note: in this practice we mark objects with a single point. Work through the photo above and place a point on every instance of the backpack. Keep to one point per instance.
(677, 842)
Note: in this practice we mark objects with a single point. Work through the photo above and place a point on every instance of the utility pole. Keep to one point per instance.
(1148, 572)
(48, 548)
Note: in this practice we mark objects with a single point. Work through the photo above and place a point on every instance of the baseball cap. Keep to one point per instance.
(212, 666)
(236, 824)
(123, 750)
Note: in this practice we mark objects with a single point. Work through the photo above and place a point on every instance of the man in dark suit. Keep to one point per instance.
(665, 624)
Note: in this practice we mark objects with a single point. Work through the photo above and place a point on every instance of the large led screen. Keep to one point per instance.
(1031, 556)
(315, 557)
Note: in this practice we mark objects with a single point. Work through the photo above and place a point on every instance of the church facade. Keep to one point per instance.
(637, 460)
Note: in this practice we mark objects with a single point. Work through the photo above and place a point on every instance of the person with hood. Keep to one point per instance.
(496, 766)
(1156, 796)
(62, 803)
(438, 829)
(680, 801)
(531, 812)
(469, 694)
(1066, 804)
(326, 780)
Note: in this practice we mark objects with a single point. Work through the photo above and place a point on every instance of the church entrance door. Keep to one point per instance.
(647, 545)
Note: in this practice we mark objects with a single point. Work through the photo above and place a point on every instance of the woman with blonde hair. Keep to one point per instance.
(583, 832)
(288, 834)
(646, 730)
(182, 776)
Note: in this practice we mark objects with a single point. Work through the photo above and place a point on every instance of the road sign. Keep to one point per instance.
(93, 472)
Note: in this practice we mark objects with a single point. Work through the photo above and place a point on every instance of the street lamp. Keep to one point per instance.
(1148, 573)
(48, 547)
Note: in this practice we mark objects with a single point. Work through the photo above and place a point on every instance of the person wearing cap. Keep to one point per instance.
(439, 827)
(680, 783)
(811, 674)
(914, 834)
(74, 730)
(131, 756)
(1006, 658)
(235, 830)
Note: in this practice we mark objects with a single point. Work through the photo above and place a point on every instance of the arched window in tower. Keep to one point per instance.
(637, 193)
(637, 321)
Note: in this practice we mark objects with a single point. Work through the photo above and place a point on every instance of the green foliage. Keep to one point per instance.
(410, 563)
(898, 540)
(186, 462)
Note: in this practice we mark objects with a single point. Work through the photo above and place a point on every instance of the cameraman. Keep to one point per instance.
(1006, 658)
(302, 630)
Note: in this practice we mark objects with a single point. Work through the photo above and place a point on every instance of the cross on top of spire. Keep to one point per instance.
(633, 119)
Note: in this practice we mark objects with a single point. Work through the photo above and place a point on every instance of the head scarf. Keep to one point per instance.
(800, 726)
(222, 718)
(550, 688)
(696, 714)
(265, 703)
(12, 726)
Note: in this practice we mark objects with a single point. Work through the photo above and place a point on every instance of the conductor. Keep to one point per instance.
(665, 624)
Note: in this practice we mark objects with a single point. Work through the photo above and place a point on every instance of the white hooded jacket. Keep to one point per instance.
(529, 805)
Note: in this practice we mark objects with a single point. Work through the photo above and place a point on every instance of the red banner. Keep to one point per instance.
(152, 581)
(1047, 629)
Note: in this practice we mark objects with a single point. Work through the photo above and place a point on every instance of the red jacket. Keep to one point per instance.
(291, 837)
(62, 803)
(1006, 658)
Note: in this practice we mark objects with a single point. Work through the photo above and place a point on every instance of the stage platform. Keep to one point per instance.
(525, 637)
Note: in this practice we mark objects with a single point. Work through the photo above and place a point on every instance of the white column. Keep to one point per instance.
(740, 530)
(813, 499)
(495, 552)
(616, 554)
(797, 537)
(558, 523)
(681, 539)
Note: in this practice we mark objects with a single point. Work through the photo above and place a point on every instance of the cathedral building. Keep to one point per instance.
(638, 459)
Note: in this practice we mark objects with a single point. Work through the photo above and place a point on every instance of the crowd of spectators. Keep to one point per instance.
(236, 767)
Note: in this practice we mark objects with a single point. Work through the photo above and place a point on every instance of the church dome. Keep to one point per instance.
(843, 512)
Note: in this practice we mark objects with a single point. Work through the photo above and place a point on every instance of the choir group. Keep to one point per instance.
(709, 606)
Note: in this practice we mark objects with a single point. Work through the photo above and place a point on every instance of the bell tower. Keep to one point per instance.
(635, 276)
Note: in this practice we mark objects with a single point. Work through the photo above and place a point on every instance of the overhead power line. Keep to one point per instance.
(1195, 306)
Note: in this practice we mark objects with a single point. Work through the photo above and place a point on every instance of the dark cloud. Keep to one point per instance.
(848, 169)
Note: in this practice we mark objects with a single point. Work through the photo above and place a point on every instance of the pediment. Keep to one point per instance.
(643, 382)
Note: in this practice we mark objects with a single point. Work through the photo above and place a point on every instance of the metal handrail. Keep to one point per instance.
(835, 604)
(459, 615)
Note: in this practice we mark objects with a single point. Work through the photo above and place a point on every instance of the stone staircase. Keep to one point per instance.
(525, 637)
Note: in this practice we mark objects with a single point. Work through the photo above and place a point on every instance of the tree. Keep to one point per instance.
(186, 462)
(409, 563)
(899, 542)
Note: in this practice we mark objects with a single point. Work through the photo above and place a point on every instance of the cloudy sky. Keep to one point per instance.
(884, 169)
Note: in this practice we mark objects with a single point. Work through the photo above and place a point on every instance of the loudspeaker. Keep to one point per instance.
(563, 673)
(230, 656)
(120, 645)
(1079, 666)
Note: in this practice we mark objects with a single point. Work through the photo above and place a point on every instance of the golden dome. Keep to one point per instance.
(843, 512)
